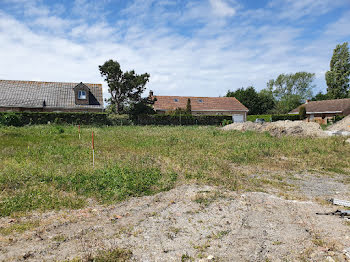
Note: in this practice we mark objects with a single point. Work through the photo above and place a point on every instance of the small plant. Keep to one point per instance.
(186, 257)
(113, 255)
(226, 122)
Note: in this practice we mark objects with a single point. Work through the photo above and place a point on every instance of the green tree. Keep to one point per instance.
(320, 96)
(290, 90)
(257, 103)
(302, 112)
(188, 106)
(141, 108)
(337, 77)
(124, 87)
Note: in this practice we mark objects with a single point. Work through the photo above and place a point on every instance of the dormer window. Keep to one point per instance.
(200, 101)
(82, 94)
(176, 100)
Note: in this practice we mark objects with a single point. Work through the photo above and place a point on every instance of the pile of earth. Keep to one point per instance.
(281, 128)
(342, 125)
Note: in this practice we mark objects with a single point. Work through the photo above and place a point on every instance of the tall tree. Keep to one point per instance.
(337, 77)
(257, 103)
(290, 90)
(124, 87)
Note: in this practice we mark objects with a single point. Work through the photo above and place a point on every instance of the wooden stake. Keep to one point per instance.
(79, 131)
(93, 150)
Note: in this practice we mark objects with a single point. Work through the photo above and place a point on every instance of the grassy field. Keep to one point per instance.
(48, 167)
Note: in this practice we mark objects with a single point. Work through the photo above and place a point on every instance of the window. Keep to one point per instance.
(81, 94)
(176, 100)
(200, 101)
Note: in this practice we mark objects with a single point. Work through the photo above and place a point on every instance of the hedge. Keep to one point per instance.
(252, 118)
(37, 118)
(180, 120)
(285, 117)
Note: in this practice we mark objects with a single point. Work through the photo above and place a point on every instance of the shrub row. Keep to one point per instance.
(35, 118)
(285, 117)
(180, 120)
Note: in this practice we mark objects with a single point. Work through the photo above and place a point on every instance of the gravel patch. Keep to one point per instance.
(190, 221)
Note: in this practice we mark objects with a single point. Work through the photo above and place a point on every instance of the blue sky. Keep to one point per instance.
(193, 47)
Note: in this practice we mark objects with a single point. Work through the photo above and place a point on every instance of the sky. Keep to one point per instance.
(190, 48)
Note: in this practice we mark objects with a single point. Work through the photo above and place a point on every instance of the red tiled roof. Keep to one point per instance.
(335, 105)
(199, 103)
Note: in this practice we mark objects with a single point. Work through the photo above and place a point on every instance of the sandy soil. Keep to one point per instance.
(342, 125)
(193, 221)
(281, 128)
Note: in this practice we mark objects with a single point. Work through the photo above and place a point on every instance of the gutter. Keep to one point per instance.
(210, 110)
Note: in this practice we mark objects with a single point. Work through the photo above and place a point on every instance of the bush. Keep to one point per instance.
(226, 122)
(338, 118)
(302, 113)
(10, 119)
(285, 117)
(180, 120)
(252, 118)
(39, 118)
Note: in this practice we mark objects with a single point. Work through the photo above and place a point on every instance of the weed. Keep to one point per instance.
(19, 227)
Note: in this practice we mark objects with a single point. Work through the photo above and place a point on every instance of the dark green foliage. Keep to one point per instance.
(320, 96)
(36, 118)
(141, 108)
(10, 119)
(124, 87)
(285, 117)
(337, 77)
(302, 112)
(338, 118)
(226, 122)
(188, 106)
(257, 103)
(181, 120)
(252, 118)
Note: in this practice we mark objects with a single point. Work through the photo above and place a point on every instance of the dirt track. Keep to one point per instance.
(190, 221)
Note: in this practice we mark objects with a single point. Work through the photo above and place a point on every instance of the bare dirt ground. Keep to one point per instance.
(281, 128)
(342, 125)
(194, 223)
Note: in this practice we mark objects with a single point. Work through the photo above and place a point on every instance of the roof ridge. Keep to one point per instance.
(329, 100)
(45, 82)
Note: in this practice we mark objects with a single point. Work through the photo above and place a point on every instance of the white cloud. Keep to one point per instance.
(222, 8)
(221, 53)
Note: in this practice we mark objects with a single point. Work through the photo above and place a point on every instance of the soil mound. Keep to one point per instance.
(281, 128)
(342, 125)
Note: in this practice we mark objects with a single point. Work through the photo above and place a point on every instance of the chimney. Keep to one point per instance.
(150, 93)
(307, 101)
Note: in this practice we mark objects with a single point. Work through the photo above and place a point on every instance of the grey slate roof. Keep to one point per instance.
(34, 94)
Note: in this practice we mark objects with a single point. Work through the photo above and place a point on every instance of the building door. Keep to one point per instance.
(238, 118)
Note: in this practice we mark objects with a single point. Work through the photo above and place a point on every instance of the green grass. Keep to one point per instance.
(48, 167)
(18, 227)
